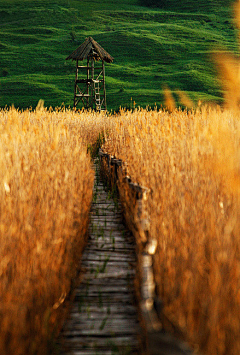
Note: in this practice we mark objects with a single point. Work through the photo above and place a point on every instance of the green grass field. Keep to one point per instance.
(151, 47)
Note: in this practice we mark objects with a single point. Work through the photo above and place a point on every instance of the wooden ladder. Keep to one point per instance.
(97, 98)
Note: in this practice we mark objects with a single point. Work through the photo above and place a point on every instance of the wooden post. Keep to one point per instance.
(88, 72)
(92, 81)
(75, 86)
(104, 88)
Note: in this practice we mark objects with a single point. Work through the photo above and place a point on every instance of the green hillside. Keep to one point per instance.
(151, 47)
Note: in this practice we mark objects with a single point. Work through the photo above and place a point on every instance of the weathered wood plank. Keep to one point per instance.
(101, 256)
(116, 309)
(122, 235)
(103, 213)
(109, 245)
(96, 341)
(111, 274)
(109, 331)
(116, 247)
(107, 227)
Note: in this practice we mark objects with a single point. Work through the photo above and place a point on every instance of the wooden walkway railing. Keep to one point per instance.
(134, 201)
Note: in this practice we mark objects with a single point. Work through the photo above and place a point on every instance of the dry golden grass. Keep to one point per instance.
(46, 183)
(191, 163)
(189, 160)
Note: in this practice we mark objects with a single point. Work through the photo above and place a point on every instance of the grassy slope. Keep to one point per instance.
(150, 46)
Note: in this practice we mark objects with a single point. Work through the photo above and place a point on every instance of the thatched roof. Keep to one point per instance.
(89, 46)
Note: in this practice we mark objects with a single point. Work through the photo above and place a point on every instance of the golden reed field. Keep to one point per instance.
(189, 159)
(46, 182)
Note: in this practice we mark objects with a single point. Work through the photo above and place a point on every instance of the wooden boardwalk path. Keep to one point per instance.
(104, 318)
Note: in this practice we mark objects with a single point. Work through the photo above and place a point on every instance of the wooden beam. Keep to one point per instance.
(104, 87)
(75, 86)
(82, 95)
(87, 67)
(83, 81)
(92, 77)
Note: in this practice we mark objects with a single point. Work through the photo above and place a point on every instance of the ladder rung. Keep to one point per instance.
(83, 95)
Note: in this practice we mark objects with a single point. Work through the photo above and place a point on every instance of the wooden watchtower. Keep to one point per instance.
(90, 91)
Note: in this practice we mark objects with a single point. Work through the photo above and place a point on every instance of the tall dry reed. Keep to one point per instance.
(46, 182)
(190, 161)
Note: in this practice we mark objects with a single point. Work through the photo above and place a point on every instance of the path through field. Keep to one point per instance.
(103, 319)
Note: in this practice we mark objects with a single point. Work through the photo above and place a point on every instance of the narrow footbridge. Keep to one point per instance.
(104, 316)
(109, 315)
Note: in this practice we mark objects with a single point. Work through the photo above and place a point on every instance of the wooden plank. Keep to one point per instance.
(106, 258)
(111, 274)
(111, 265)
(107, 219)
(96, 341)
(102, 213)
(86, 314)
(122, 234)
(96, 289)
(99, 245)
(102, 298)
(99, 242)
(102, 257)
(111, 240)
(102, 281)
(114, 330)
(115, 309)
(109, 246)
